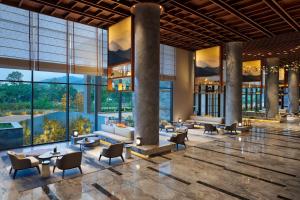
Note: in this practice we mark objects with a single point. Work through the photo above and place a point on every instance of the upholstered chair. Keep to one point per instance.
(21, 162)
(113, 151)
(69, 161)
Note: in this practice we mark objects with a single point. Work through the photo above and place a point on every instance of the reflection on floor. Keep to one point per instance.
(262, 164)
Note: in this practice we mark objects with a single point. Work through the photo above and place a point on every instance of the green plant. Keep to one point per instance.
(82, 125)
(53, 131)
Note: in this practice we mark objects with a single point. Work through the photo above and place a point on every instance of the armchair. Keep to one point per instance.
(210, 128)
(113, 151)
(20, 162)
(178, 139)
(231, 128)
(69, 161)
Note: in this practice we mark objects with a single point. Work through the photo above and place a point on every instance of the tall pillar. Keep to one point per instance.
(233, 83)
(147, 68)
(272, 87)
(293, 91)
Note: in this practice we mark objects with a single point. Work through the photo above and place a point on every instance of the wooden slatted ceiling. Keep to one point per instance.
(188, 24)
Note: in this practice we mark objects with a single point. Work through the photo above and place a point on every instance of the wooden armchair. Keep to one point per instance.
(210, 128)
(178, 139)
(20, 162)
(69, 161)
(113, 151)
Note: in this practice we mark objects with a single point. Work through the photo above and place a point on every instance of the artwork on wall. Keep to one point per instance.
(281, 75)
(208, 65)
(120, 56)
(252, 71)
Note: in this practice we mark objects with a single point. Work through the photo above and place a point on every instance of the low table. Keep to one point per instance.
(45, 159)
(85, 142)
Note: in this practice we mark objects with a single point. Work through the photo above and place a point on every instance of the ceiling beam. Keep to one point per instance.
(282, 13)
(89, 3)
(185, 36)
(203, 16)
(55, 6)
(243, 17)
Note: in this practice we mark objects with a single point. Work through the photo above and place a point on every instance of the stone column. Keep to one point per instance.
(233, 83)
(272, 87)
(293, 91)
(147, 68)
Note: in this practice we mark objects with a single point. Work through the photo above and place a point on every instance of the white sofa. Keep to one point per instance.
(114, 134)
(203, 120)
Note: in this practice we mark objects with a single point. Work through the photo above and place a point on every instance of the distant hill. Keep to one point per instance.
(116, 57)
(206, 71)
(63, 79)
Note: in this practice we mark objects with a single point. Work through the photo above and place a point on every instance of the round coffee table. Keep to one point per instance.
(85, 142)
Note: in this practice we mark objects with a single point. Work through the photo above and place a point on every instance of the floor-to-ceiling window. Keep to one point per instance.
(47, 77)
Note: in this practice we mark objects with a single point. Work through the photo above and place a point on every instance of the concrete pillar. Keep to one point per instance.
(293, 91)
(87, 95)
(272, 87)
(233, 83)
(146, 80)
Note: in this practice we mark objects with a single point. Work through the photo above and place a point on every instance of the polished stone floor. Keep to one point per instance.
(262, 164)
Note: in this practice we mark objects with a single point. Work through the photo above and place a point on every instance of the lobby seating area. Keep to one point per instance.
(149, 100)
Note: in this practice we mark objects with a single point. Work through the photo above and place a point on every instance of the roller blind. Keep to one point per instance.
(29, 40)
(85, 49)
(167, 62)
(52, 44)
(14, 38)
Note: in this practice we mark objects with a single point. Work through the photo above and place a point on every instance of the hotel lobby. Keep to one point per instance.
(162, 99)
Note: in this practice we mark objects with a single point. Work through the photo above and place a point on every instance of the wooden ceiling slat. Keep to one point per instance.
(282, 13)
(246, 19)
(184, 7)
(55, 6)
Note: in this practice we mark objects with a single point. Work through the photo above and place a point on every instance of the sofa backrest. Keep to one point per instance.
(125, 132)
(208, 119)
(108, 128)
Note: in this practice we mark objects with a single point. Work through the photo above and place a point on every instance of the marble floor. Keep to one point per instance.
(261, 164)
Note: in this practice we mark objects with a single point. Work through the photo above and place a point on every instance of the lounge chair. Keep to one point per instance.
(178, 139)
(210, 128)
(113, 151)
(21, 162)
(231, 128)
(69, 161)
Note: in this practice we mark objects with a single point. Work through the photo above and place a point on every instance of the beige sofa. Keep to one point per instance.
(204, 120)
(114, 134)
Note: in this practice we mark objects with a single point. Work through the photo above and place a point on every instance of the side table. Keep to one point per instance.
(127, 151)
(45, 169)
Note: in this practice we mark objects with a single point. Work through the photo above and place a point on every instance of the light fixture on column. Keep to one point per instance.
(179, 120)
(240, 124)
(138, 141)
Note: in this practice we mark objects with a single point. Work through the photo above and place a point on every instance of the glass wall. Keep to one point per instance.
(49, 72)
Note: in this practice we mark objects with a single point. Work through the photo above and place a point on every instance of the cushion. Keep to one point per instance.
(124, 132)
(182, 130)
(107, 128)
(34, 161)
